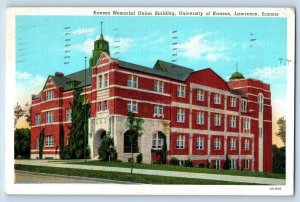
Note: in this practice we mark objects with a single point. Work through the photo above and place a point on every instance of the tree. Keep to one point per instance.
(227, 163)
(27, 111)
(18, 112)
(22, 143)
(77, 147)
(278, 159)
(41, 143)
(135, 126)
(106, 150)
(281, 122)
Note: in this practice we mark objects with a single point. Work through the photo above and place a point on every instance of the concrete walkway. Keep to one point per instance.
(228, 178)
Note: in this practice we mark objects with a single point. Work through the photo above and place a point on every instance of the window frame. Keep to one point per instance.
(232, 101)
(180, 142)
(217, 143)
(131, 105)
(49, 117)
(49, 95)
(68, 114)
(217, 119)
(217, 98)
(180, 116)
(132, 81)
(181, 91)
(200, 118)
(200, 143)
(200, 95)
(158, 110)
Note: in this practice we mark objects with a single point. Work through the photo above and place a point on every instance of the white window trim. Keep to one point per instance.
(49, 95)
(158, 110)
(159, 86)
(200, 95)
(217, 164)
(232, 122)
(244, 106)
(217, 143)
(200, 118)
(233, 102)
(68, 114)
(49, 117)
(232, 144)
(49, 141)
(217, 98)
(246, 144)
(132, 81)
(180, 143)
(200, 143)
(233, 165)
(180, 117)
(180, 91)
(131, 104)
(246, 165)
(158, 143)
(217, 120)
(38, 119)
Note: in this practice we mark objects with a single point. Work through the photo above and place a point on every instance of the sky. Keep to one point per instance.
(256, 46)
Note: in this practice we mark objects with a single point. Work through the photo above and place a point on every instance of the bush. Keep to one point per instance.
(227, 163)
(208, 163)
(202, 165)
(106, 150)
(174, 161)
(139, 158)
(188, 163)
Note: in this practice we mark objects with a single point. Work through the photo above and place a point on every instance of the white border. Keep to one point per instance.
(89, 189)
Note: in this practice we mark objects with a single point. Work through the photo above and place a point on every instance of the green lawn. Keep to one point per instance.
(136, 178)
(180, 168)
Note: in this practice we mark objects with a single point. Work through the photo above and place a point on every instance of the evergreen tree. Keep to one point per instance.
(106, 150)
(22, 143)
(41, 143)
(18, 112)
(78, 138)
(135, 126)
(281, 122)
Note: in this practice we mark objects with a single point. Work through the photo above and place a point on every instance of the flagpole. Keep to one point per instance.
(85, 100)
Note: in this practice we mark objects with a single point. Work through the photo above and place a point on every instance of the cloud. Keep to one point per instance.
(84, 31)
(269, 73)
(200, 47)
(88, 45)
(23, 75)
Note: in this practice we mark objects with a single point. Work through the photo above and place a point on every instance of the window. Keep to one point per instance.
(232, 164)
(132, 81)
(158, 86)
(100, 106)
(49, 95)
(68, 115)
(37, 119)
(232, 145)
(261, 132)
(217, 99)
(246, 144)
(217, 120)
(200, 95)
(105, 105)
(246, 163)
(132, 106)
(180, 115)
(49, 141)
(246, 124)
(217, 143)
(200, 118)
(200, 143)
(105, 80)
(244, 106)
(49, 117)
(180, 142)
(100, 81)
(217, 164)
(261, 102)
(158, 110)
(157, 140)
(232, 102)
(232, 122)
(180, 91)
(127, 143)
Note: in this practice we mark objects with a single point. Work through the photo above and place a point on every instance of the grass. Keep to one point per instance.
(180, 168)
(135, 178)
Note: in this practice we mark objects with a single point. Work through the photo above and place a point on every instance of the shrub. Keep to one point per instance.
(106, 149)
(174, 161)
(208, 163)
(202, 165)
(227, 163)
(188, 163)
(139, 158)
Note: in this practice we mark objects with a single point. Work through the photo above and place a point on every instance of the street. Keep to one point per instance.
(25, 177)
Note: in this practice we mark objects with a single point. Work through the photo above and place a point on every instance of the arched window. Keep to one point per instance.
(261, 102)
(127, 143)
(157, 140)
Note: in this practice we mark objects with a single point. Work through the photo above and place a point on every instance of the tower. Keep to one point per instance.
(100, 45)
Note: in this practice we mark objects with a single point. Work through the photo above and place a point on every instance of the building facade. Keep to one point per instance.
(197, 114)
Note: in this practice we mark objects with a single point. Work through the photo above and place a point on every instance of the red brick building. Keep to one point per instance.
(197, 114)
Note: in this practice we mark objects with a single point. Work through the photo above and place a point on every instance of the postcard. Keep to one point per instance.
(150, 101)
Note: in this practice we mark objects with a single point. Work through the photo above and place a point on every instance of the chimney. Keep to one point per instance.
(60, 74)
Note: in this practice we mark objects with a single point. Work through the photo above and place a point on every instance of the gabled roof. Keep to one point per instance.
(161, 68)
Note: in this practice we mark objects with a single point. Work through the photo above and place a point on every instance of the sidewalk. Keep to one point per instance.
(229, 178)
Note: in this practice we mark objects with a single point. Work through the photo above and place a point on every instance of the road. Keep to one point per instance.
(25, 177)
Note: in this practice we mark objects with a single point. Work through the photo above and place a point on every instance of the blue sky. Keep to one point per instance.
(215, 42)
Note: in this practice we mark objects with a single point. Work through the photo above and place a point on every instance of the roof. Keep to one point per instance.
(238, 92)
(161, 68)
(237, 75)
